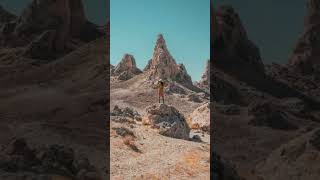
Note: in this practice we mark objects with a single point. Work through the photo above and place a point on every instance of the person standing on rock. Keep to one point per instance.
(160, 86)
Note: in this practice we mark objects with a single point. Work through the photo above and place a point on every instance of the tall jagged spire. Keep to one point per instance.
(163, 65)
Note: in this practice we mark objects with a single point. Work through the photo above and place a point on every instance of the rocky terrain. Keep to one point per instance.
(151, 140)
(265, 116)
(53, 71)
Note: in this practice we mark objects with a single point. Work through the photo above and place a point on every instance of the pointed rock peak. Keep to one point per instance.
(163, 66)
(129, 60)
(232, 45)
(160, 41)
(128, 65)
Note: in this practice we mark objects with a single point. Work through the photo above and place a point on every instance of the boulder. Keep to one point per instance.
(126, 112)
(20, 161)
(294, 105)
(194, 98)
(297, 159)
(200, 118)
(269, 113)
(175, 88)
(168, 120)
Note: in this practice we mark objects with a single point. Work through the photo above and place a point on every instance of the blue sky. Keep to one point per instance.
(97, 11)
(185, 25)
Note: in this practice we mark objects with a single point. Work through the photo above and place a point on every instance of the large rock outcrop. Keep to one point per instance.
(200, 118)
(231, 48)
(19, 161)
(168, 120)
(306, 55)
(126, 68)
(237, 57)
(163, 65)
(65, 17)
(298, 159)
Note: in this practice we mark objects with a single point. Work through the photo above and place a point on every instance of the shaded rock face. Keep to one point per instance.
(65, 17)
(234, 55)
(315, 140)
(19, 160)
(230, 109)
(231, 47)
(268, 113)
(204, 82)
(127, 68)
(168, 120)
(306, 54)
(222, 169)
(163, 66)
(175, 88)
(42, 47)
(298, 159)
(200, 118)
(194, 98)
(5, 16)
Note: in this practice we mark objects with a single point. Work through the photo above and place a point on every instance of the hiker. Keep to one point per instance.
(160, 86)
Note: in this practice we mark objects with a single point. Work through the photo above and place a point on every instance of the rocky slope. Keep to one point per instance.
(297, 159)
(62, 101)
(305, 54)
(257, 106)
(142, 127)
(204, 82)
(161, 132)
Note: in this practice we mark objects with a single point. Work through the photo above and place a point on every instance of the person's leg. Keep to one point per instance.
(163, 99)
(159, 98)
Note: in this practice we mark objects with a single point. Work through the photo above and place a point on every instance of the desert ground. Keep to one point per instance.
(141, 151)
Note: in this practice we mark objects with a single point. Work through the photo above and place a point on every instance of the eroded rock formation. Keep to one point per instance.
(163, 65)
